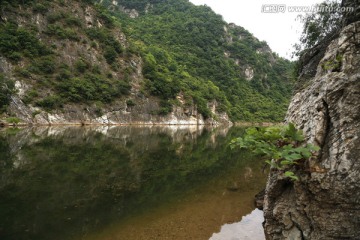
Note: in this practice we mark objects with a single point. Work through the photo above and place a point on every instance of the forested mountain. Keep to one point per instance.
(109, 56)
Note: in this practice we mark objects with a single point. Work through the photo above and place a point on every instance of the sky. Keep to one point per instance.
(280, 30)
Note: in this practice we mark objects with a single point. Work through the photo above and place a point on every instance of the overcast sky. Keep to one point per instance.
(279, 30)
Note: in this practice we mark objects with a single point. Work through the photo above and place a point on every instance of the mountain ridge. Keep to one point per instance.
(148, 61)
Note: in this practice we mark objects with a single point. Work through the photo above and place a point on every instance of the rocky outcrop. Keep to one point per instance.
(325, 202)
(140, 111)
(134, 109)
(249, 73)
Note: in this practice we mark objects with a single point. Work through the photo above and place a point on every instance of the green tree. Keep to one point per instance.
(7, 87)
(317, 25)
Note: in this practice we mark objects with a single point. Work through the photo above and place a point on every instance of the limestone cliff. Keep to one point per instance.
(325, 202)
(71, 63)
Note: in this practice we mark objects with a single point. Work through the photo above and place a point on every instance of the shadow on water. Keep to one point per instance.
(123, 182)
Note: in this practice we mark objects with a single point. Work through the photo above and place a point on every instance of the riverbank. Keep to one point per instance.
(260, 124)
(15, 122)
(21, 124)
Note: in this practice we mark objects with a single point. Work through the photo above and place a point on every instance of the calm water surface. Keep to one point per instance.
(128, 183)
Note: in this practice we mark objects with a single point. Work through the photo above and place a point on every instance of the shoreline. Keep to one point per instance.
(4, 125)
(260, 124)
(237, 124)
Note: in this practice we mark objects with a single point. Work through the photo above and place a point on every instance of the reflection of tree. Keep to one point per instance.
(81, 178)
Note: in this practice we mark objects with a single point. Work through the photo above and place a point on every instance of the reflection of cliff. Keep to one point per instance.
(85, 176)
(122, 135)
(324, 204)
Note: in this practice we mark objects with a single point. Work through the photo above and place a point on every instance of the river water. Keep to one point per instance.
(127, 183)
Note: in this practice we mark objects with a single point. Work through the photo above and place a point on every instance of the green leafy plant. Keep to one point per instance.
(56, 16)
(130, 103)
(13, 120)
(17, 41)
(7, 88)
(334, 64)
(40, 8)
(81, 65)
(61, 32)
(283, 146)
(50, 102)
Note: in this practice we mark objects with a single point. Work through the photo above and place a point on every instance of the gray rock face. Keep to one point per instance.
(117, 113)
(325, 203)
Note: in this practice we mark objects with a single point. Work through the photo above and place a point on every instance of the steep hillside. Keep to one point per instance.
(134, 61)
(60, 53)
(255, 81)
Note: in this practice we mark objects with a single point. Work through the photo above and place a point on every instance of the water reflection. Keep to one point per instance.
(249, 228)
(122, 182)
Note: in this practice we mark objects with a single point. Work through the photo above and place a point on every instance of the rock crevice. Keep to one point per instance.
(325, 203)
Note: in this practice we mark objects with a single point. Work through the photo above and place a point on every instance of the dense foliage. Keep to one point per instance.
(282, 146)
(6, 89)
(39, 52)
(319, 24)
(185, 47)
(186, 50)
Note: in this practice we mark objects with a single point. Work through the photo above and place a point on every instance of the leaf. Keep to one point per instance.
(293, 133)
(295, 178)
(312, 147)
(286, 162)
(305, 152)
(273, 164)
(291, 175)
(296, 156)
(291, 129)
(288, 147)
(277, 155)
(268, 162)
(298, 136)
(272, 133)
(292, 156)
